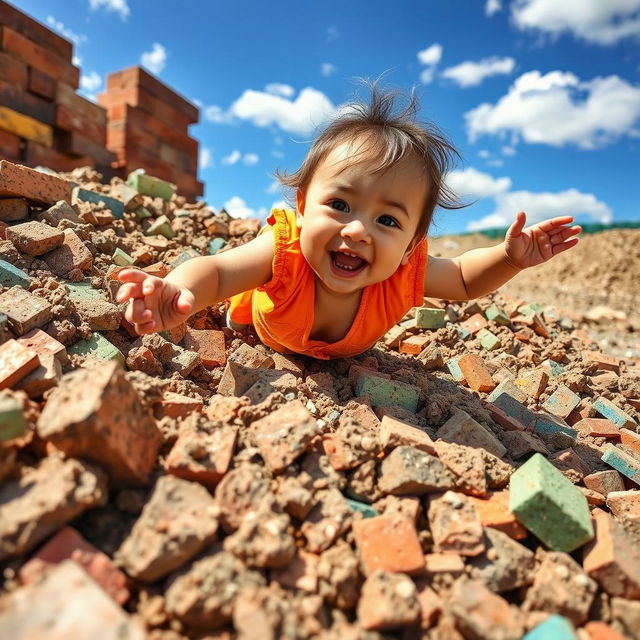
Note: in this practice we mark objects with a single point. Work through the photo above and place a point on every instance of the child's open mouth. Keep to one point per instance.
(345, 265)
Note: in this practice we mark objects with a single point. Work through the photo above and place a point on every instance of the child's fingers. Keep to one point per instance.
(134, 313)
(129, 290)
(145, 327)
(553, 223)
(559, 248)
(564, 233)
(518, 224)
(132, 275)
(185, 301)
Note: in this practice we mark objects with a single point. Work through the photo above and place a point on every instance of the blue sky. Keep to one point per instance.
(541, 97)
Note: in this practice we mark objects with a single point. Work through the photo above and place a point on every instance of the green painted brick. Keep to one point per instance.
(121, 258)
(517, 410)
(454, 369)
(386, 393)
(183, 257)
(161, 226)
(430, 318)
(530, 309)
(488, 341)
(497, 315)
(84, 291)
(366, 510)
(549, 505)
(614, 413)
(215, 245)
(97, 345)
(462, 332)
(13, 424)
(555, 627)
(11, 276)
(115, 206)
(151, 186)
(548, 425)
(622, 462)
(555, 368)
(142, 213)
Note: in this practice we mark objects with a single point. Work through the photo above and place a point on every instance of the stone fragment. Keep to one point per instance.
(225, 577)
(70, 255)
(455, 525)
(625, 505)
(388, 543)
(100, 315)
(340, 578)
(328, 520)
(301, 573)
(388, 601)
(350, 445)
(57, 607)
(461, 428)
(284, 434)
(396, 433)
(409, 471)
(44, 499)
(24, 310)
(604, 482)
(294, 497)
(97, 414)
(178, 521)
(547, 504)
(467, 464)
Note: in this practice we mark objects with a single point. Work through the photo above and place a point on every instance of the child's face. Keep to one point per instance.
(364, 221)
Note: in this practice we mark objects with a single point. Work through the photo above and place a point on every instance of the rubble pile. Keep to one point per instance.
(473, 476)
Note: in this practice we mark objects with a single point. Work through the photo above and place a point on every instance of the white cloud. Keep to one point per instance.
(90, 82)
(508, 151)
(483, 153)
(470, 74)
(156, 59)
(300, 116)
(64, 31)
(327, 69)
(602, 22)
(492, 6)
(116, 6)
(232, 158)
(214, 113)
(205, 158)
(237, 208)
(332, 33)
(76, 61)
(559, 109)
(274, 187)
(430, 57)
(473, 184)
(277, 89)
(250, 159)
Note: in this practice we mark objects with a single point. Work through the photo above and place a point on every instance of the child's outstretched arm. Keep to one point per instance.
(480, 271)
(158, 304)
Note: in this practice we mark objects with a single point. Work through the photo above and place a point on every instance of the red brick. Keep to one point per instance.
(13, 71)
(24, 310)
(13, 209)
(414, 344)
(598, 427)
(396, 433)
(16, 180)
(10, 146)
(209, 344)
(69, 544)
(174, 405)
(16, 361)
(388, 543)
(38, 155)
(301, 573)
(503, 419)
(34, 238)
(202, 457)
(600, 631)
(630, 438)
(474, 323)
(66, 96)
(27, 103)
(42, 378)
(38, 56)
(603, 362)
(604, 482)
(524, 334)
(493, 511)
(388, 601)
(625, 505)
(41, 84)
(430, 605)
(476, 373)
(72, 254)
(443, 563)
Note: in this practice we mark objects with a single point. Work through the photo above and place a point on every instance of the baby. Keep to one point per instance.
(330, 278)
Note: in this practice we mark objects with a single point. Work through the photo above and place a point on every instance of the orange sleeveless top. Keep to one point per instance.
(282, 309)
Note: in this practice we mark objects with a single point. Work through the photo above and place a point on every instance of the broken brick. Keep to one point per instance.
(24, 310)
(208, 344)
(16, 361)
(409, 471)
(34, 238)
(494, 512)
(396, 433)
(70, 255)
(475, 373)
(17, 180)
(461, 428)
(455, 524)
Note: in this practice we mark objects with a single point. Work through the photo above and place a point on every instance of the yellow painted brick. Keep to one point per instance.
(26, 127)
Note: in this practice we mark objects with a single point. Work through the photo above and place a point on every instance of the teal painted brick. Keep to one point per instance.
(11, 276)
(562, 401)
(549, 425)
(549, 505)
(430, 318)
(142, 213)
(555, 627)
(515, 409)
(555, 368)
(622, 462)
(530, 309)
(488, 341)
(183, 257)
(366, 510)
(115, 206)
(508, 386)
(13, 424)
(462, 332)
(121, 258)
(161, 226)
(84, 291)
(150, 186)
(215, 245)
(614, 413)
(454, 369)
(386, 393)
(98, 346)
(497, 315)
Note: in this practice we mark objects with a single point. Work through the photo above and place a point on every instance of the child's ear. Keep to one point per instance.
(300, 203)
(410, 249)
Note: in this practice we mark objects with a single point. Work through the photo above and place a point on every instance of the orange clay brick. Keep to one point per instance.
(474, 323)
(396, 433)
(583, 410)
(604, 362)
(174, 405)
(209, 344)
(414, 344)
(476, 373)
(300, 573)
(16, 361)
(598, 427)
(630, 438)
(597, 630)
(493, 511)
(388, 543)
(524, 335)
(42, 343)
(436, 563)
(158, 269)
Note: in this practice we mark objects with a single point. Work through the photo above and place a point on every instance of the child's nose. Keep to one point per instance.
(356, 230)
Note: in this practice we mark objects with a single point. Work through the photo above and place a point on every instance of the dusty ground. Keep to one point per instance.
(598, 280)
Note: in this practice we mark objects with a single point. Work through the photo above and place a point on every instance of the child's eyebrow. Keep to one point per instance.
(389, 203)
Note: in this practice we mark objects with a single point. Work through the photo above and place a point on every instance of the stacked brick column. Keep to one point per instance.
(42, 119)
(148, 127)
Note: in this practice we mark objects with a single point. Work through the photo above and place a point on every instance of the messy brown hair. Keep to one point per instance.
(390, 138)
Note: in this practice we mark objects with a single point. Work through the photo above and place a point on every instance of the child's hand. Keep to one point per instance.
(156, 304)
(539, 243)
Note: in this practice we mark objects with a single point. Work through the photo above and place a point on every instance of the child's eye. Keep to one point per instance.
(388, 221)
(342, 202)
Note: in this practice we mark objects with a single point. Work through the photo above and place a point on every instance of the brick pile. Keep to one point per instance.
(473, 476)
(148, 127)
(43, 121)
